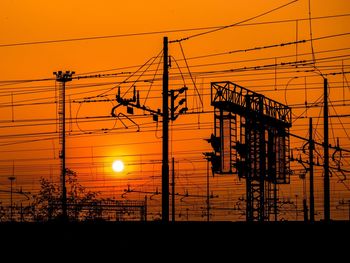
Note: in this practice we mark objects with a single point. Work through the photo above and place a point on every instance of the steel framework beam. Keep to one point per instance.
(262, 149)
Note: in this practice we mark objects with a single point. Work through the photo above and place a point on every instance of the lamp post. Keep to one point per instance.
(326, 183)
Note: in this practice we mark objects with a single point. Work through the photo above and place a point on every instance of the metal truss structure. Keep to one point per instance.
(251, 139)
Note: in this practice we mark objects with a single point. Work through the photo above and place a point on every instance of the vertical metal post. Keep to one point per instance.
(172, 105)
(208, 196)
(165, 164)
(249, 194)
(262, 163)
(11, 203)
(11, 178)
(145, 208)
(63, 77)
(271, 172)
(275, 202)
(64, 190)
(306, 218)
(22, 217)
(173, 192)
(311, 171)
(221, 134)
(296, 207)
(327, 214)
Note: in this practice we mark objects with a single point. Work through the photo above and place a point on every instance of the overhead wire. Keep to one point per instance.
(163, 32)
(340, 121)
(229, 52)
(193, 127)
(189, 71)
(152, 81)
(234, 24)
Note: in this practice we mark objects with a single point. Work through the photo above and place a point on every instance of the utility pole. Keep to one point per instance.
(11, 178)
(311, 170)
(305, 210)
(327, 214)
(165, 164)
(63, 77)
(296, 207)
(145, 208)
(210, 157)
(135, 102)
(208, 197)
(173, 192)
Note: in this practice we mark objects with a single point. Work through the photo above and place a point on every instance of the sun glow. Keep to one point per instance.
(118, 166)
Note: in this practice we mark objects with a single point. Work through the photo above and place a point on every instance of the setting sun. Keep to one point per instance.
(226, 111)
(118, 166)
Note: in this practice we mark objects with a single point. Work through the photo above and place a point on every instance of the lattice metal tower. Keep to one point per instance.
(62, 78)
(251, 139)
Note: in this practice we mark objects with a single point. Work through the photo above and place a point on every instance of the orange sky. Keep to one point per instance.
(23, 21)
(38, 20)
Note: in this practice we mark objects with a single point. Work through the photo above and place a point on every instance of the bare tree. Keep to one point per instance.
(82, 204)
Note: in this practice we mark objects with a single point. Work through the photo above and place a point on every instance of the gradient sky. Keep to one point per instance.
(88, 143)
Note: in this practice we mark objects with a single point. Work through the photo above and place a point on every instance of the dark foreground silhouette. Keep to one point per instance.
(138, 232)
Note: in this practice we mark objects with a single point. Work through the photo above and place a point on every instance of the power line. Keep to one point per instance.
(163, 32)
(81, 76)
(86, 100)
(293, 20)
(271, 46)
(103, 37)
(101, 146)
(234, 24)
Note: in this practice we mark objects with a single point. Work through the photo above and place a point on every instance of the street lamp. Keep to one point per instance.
(326, 183)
